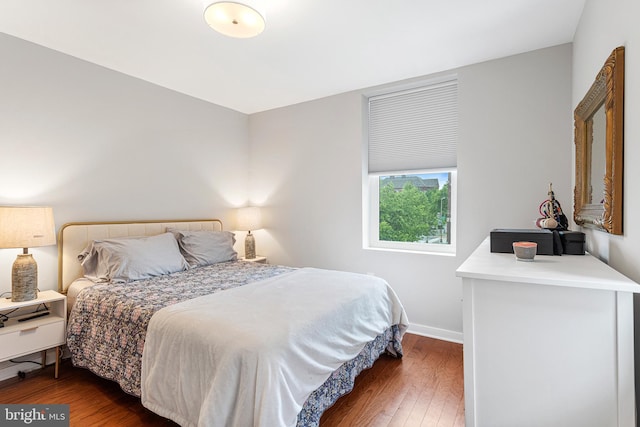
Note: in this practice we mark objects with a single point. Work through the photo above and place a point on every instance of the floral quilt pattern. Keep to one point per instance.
(108, 323)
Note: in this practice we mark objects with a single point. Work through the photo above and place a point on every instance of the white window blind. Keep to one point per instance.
(414, 130)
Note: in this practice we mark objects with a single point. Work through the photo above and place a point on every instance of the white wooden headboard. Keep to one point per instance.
(73, 237)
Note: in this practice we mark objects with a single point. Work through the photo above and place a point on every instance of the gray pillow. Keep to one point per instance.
(131, 258)
(206, 247)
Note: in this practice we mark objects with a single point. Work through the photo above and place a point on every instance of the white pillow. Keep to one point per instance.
(206, 247)
(132, 258)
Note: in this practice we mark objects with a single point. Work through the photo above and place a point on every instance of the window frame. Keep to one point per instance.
(372, 220)
(370, 183)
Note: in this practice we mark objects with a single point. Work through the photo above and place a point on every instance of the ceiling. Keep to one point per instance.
(310, 48)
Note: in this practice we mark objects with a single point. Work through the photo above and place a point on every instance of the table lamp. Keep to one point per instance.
(25, 227)
(248, 219)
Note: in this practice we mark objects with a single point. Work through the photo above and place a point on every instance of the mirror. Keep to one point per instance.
(598, 120)
(598, 158)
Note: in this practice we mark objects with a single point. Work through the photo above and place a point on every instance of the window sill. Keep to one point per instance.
(410, 251)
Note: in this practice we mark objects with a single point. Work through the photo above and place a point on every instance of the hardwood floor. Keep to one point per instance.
(424, 388)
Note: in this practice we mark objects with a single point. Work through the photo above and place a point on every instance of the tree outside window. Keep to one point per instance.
(415, 208)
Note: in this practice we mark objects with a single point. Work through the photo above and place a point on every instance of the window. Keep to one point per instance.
(410, 202)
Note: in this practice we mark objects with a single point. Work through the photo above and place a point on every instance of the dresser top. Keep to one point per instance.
(578, 271)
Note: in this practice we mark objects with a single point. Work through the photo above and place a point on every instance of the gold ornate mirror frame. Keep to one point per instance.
(607, 91)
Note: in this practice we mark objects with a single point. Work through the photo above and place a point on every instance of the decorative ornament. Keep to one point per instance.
(552, 216)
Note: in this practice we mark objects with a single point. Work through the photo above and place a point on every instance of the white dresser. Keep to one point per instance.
(547, 343)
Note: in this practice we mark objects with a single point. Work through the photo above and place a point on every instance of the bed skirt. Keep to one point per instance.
(343, 379)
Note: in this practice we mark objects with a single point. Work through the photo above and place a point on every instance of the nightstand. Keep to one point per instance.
(259, 259)
(19, 338)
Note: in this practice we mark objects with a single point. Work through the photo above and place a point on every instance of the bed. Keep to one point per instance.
(206, 339)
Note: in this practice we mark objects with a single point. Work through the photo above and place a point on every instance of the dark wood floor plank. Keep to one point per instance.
(434, 360)
(425, 387)
(426, 361)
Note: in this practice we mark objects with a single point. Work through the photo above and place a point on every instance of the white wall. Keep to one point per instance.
(515, 138)
(98, 145)
(605, 25)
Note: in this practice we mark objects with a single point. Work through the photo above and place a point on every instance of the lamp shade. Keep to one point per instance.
(26, 226)
(240, 19)
(248, 219)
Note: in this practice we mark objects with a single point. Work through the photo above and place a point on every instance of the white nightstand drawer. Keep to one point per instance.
(32, 336)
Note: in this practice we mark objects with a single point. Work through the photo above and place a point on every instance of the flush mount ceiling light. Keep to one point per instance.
(235, 19)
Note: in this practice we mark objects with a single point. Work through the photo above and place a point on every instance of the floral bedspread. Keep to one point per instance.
(108, 323)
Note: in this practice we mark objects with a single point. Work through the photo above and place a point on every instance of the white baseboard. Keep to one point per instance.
(437, 333)
(9, 369)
